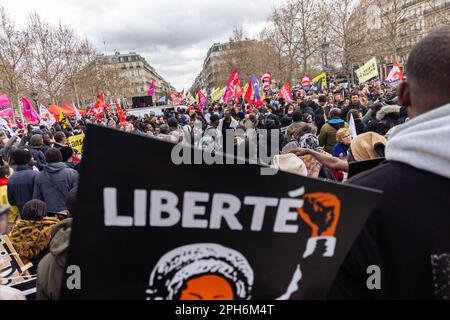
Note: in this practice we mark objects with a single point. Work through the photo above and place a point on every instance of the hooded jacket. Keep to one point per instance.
(51, 269)
(53, 184)
(327, 136)
(407, 235)
(384, 119)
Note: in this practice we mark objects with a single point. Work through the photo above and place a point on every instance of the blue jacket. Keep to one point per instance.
(53, 185)
(338, 149)
(39, 157)
(21, 186)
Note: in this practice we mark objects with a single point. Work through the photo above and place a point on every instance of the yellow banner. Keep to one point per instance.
(368, 71)
(217, 94)
(321, 77)
(76, 142)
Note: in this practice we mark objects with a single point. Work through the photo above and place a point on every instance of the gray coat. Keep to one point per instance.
(54, 184)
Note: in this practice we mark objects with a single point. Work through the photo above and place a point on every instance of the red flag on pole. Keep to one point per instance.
(232, 81)
(120, 113)
(238, 92)
(285, 92)
(249, 93)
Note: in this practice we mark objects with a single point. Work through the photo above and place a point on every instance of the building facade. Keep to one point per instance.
(222, 58)
(140, 74)
(392, 27)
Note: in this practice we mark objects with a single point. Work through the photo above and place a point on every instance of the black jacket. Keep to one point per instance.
(21, 185)
(407, 236)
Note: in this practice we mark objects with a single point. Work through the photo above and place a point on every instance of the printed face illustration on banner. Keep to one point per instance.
(207, 271)
(201, 235)
(203, 271)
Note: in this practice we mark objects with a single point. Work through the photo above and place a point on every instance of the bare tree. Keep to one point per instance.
(13, 51)
(347, 40)
(46, 60)
(286, 35)
(77, 55)
(393, 13)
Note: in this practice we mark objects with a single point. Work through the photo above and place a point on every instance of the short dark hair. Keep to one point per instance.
(297, 116)
(59, 136)
(214, 117)
(66, 153)
(172, 122)
(4, 171)
(164, 129)
(429, 61)
(21, 156)
(53, 155)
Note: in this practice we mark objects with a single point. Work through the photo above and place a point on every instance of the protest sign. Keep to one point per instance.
(76, 142)
(139, 234)
(368, 71)
(12, 269)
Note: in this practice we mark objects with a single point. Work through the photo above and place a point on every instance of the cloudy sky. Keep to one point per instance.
(173, 35)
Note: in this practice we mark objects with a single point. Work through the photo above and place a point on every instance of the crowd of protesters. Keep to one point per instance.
(319, 134)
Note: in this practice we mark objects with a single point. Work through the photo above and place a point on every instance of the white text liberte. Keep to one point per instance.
(163, 210)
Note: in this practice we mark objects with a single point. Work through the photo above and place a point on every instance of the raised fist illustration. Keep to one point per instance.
(321, 212)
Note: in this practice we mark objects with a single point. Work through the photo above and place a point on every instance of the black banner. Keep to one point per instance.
(146, 228)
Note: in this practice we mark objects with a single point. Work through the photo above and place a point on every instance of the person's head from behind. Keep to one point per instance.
(297, 116)
(53, 155)
(67, 153)
(355, 113)
(60, 137)
(37, 141)
(344, 136)
(47, 140)
(22, 157)
(214, 120)
(335, 113)
(428, 76)
(173, 123)
(164, 129)
(5, 171)
(34, 210)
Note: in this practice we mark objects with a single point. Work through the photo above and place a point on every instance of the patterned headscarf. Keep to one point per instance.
(309, 141)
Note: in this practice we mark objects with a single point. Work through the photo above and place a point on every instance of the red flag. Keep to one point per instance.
(306, 80)
(232, 81)
(19, 124)
(100, 101)
(285, 92)
(396, 74)
(175, 100)
(108, 107)
(120, 113)
(238, 91)
(249, 94)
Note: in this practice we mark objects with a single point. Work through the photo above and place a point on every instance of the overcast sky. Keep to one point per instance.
(173, 35)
